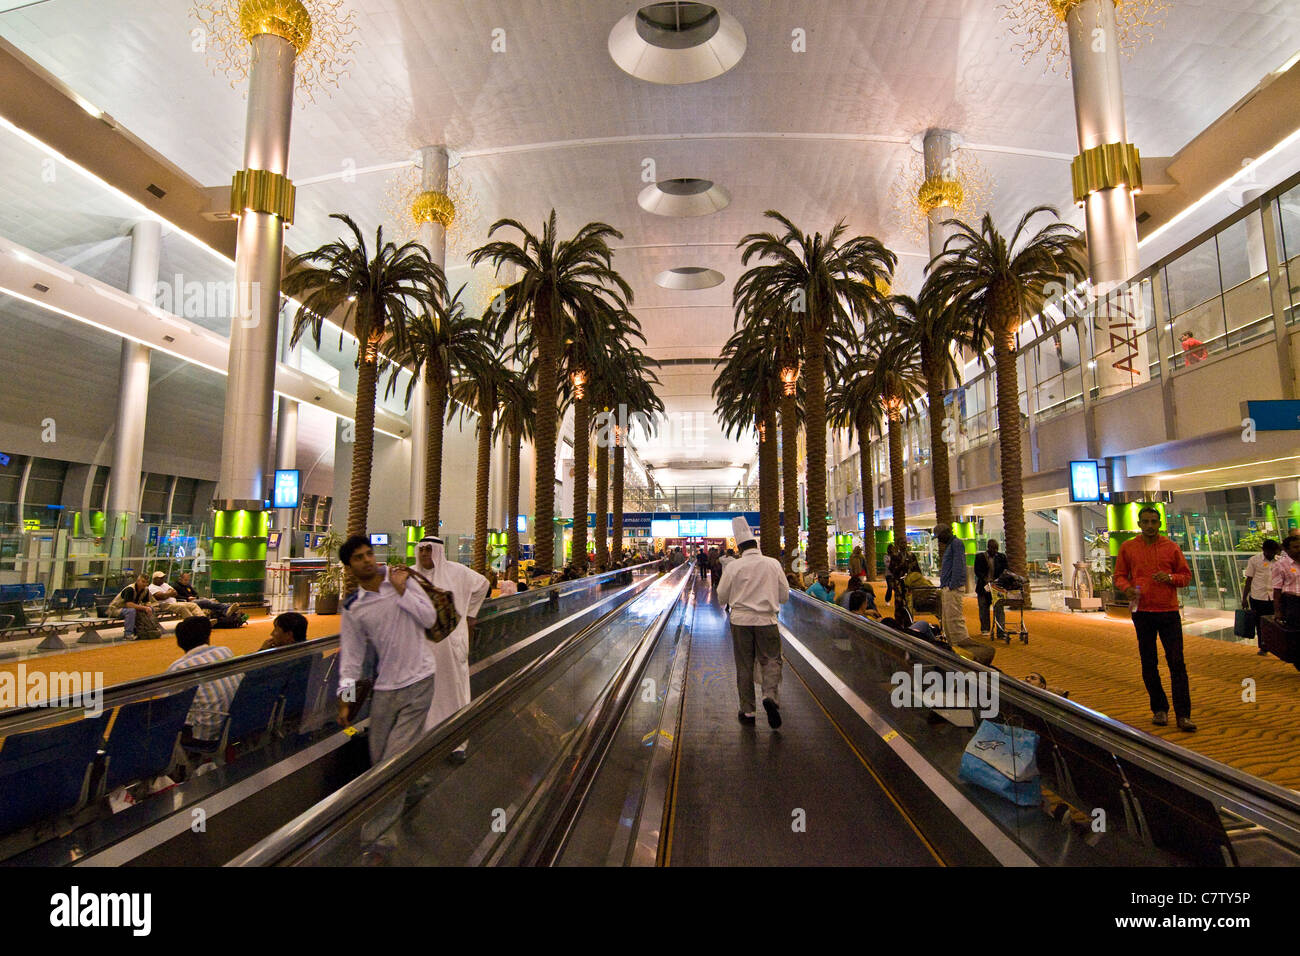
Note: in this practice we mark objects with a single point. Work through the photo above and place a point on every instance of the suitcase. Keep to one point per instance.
(1243, 624)
(1279, 640)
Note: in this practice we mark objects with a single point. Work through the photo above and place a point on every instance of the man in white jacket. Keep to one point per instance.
(468, 589)
(755, 587)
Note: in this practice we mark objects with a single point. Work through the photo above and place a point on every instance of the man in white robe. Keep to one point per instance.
(468, 589)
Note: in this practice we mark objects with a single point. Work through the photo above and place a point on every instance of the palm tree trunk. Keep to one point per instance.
(544, 443)
(602, 504)
(363, 445)
(815, 435)
(938, 447)
(789, 477)
(581, 453)
(437, 410)
(481, 488)
(896, 486)
(616, 503)
(769, 488)
(868, 499)
(512, 497)
(1013, 492)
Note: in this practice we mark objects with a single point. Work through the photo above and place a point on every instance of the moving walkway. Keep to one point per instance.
(281, 750)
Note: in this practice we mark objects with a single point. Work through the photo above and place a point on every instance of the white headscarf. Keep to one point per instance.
(467, 586)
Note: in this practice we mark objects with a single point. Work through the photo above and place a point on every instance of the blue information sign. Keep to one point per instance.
(286, 488)
(521, 524)
(1282, 415)
(1085, 482)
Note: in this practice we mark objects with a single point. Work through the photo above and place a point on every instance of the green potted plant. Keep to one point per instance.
(329, 583)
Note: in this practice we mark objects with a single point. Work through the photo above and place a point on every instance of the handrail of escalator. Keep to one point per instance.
(48, 714)
(564, 803)
(1270, 805)
(388, 780)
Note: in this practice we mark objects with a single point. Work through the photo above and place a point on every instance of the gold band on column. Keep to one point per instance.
(430, 206)
(936, 192)
(287, 19)
(262, 191)
(1106, 167)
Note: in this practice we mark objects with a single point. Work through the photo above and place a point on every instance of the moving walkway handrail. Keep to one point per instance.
(295, 841)
(564, 803)
(48, 714)
(1271, 806)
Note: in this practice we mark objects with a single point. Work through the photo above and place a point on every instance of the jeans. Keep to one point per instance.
(764, 642)
(1168, 627)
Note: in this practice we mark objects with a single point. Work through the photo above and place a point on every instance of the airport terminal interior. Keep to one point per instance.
(822, 433)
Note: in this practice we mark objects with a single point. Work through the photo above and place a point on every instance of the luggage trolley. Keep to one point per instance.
(1008, 600)
(925, 599)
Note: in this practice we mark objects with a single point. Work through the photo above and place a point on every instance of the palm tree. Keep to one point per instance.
(818, 284)
(556, 278)
(994, 284)
(438, 349)
(377, 299)
(515, 424)
(891, 370)
(931, 329)
(634, 390)
(747, 391)
(479, 390)
(851, 403)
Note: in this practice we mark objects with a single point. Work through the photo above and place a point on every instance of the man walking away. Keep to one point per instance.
(1149, 571)
(989, 566)
(468, 589)
(754, 587)
(952, 581)
(388, 615)
(1257, 592)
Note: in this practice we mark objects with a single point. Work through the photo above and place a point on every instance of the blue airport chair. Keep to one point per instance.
(143, 738)
(297, 684)
(45, 773)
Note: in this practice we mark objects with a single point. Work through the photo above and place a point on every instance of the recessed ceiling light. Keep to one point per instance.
(689, 277)
(683, 197)
(677, 42)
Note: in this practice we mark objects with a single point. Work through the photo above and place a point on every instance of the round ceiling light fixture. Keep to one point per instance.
(677, 42)
(683, 197)
(689, 277)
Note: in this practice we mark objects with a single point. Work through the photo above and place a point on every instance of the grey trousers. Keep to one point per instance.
(396, 720)
(761, 641)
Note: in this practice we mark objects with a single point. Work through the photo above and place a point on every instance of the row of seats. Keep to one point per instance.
(47, 773)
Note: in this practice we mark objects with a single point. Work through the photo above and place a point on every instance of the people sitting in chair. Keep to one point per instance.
(135, 606)
(166, 597)
(185, 592)
(822, 588)
(857, 586)
(288, 628)
(212, 701)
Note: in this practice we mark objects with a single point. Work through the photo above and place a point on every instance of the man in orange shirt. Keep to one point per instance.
(1149, 571)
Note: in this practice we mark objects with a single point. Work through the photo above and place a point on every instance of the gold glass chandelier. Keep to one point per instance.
(965, 191)
(1038, 26)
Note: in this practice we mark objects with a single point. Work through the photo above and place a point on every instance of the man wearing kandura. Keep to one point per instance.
(754, 587)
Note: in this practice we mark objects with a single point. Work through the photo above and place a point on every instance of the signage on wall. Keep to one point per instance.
(4, 461)
(521, 524)
(153, 534)
(1282, 415)
(286, 493)
(862, 521)
(1085, 481)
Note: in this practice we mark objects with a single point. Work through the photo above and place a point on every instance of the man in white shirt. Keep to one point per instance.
(165, 595)
(468, 589)
(1257, 593)
(755, 587)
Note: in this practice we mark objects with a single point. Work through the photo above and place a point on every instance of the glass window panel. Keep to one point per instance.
(1193, 278)
(1288, 224)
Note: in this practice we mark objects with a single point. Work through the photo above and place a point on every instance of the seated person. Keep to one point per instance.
(288, 628)
(507, 586)
(822, 588)
(212, 701)
(858, 603)
(857, 586)
(134, 605)
(165, 595)
(185, 592)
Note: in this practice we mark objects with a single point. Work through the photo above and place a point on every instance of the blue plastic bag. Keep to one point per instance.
(1004, 760)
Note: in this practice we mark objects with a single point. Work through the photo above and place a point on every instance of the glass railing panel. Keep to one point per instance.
(1197, 334)
(1249, 309)
(467, 815)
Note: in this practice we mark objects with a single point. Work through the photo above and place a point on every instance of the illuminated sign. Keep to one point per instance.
(378, 538)
(1085, 482)
(521, 524)
(286, 488)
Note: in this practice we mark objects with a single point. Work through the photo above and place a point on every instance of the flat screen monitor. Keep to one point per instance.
(378, 538)
(693, 528)
(718, 528)
(663, 528)
(1085, 481)
(286, 488)
(862, 521)
(521, 524)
